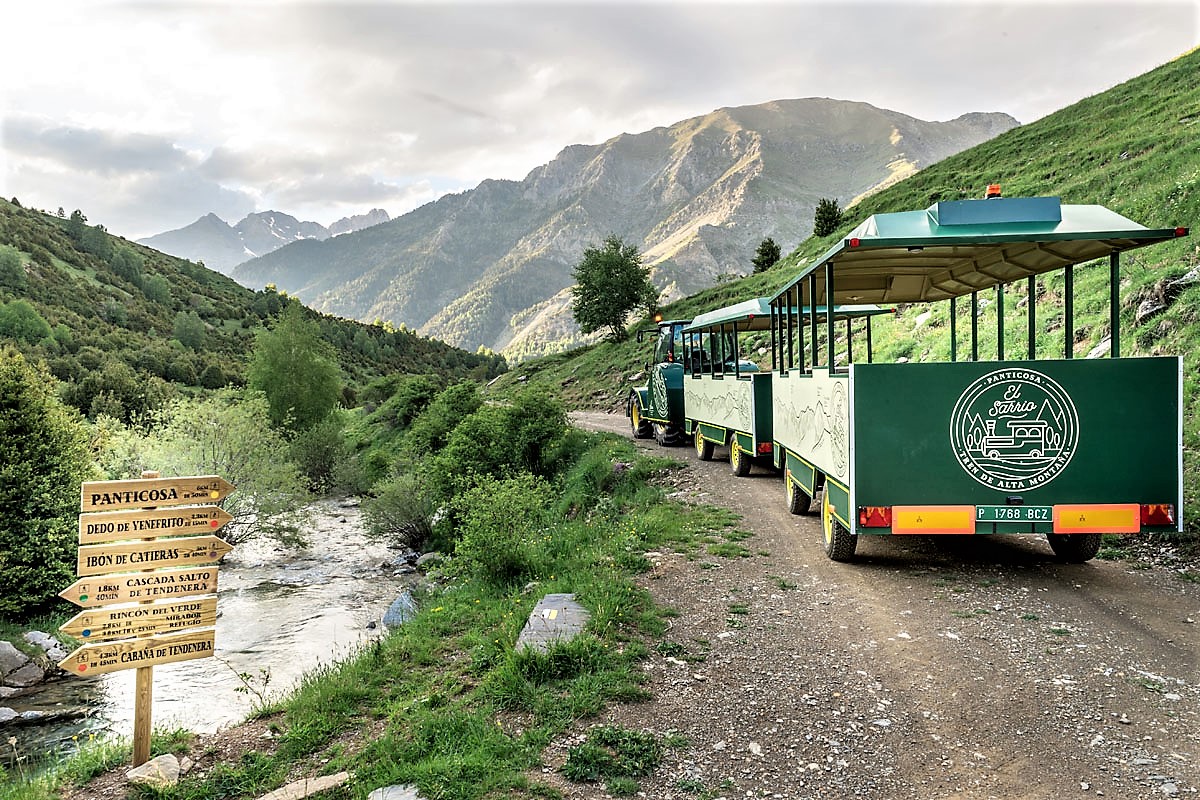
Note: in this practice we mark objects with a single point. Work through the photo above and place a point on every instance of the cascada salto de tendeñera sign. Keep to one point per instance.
(1014, 429)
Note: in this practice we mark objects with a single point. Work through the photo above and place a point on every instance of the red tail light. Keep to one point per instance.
(875, 516)
(1181, 231)
(855, 242)
(764, 448)
(1158, 514)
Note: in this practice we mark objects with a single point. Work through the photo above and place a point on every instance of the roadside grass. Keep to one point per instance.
(449, 703)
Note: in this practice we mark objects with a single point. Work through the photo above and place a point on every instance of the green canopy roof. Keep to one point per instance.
(755, 315)
(959, 247)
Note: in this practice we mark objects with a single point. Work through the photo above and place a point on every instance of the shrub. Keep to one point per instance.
(401, 511)
(430, 429)
(498, 521)
(325, 458)
(44, 456)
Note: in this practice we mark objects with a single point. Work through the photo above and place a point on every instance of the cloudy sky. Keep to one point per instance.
(147, 115)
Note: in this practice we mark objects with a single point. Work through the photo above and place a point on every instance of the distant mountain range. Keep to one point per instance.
(492, 266)
(222, 246)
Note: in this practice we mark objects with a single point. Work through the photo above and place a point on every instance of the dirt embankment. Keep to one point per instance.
(930, 667)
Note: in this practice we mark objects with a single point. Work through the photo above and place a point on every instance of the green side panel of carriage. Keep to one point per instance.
(665, 394)
(1034, 433)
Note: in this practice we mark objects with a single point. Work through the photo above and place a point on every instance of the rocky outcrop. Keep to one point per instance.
(492, 266)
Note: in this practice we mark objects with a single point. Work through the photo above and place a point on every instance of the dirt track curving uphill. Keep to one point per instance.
(930, 667)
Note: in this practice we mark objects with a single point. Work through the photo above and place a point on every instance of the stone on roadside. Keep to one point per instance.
(156, 773)
(555, 618)
(306, 787)
(395, 793)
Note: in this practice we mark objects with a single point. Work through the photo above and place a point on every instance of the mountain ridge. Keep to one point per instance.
(492, 266)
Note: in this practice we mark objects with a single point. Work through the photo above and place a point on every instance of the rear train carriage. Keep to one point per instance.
(1069, 448)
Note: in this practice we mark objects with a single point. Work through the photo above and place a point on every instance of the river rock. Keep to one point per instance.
(307, 787)
(51, 646)
(429, 560)
(11, 659)
(7, 715)
(395, 793)
(8, 691)
(157, 772)
(402, 609)
(26, 676)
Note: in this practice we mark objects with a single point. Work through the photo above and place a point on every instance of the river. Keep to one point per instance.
(281, 613)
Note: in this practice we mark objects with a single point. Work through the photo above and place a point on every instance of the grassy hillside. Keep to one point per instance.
(124, 326)
(1132, 149)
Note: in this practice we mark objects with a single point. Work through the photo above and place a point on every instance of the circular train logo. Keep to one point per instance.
(1014, 429)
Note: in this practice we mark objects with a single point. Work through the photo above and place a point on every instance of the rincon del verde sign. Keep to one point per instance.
(1014, 429)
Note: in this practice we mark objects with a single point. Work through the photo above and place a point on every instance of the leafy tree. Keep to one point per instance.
(610, 283)
(827, 217)
(221, 435)
(157, 289)
(766, 256)
(44, 456)
(20, 320)
(189, 329)
(12, 269)
(297, 371)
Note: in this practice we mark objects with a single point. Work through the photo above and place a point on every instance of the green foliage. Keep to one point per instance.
(224, 435)
(498, 521)
(827, 217)
(766, 256)
(610, 284)
(400, 511)
(323, 454)
(297, 371)
(20, 320)
(613, 752)
(429, 429)
(188, 330)
(44, 456)
(12, 269)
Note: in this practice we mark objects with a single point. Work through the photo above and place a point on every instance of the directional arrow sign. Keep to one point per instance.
(99, 559)
(126, 622)
(142, 492)
(109, 590)
(101, 657)
(123, 525)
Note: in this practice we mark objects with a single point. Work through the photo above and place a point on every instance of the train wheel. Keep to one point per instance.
(704, 448)
(641, 428)
(1074, 548)
(739, 462)
(798, 500)
(839, 542)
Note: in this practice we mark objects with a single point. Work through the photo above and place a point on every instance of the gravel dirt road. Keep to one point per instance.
(930, 667)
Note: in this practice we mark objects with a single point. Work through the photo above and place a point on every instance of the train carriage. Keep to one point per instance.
(1049, 444)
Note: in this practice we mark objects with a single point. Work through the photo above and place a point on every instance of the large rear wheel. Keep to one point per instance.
(739, 462)
(839, 542)
(1074, 548)
(798, 500)
(704, 448)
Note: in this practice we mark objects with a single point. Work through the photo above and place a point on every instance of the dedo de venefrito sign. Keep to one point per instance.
(116, 526)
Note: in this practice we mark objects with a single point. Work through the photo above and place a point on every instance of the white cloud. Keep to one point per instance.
(336, 106)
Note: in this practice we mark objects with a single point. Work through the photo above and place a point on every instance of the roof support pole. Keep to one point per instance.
(829, 315)
(1032, 349)
(1114, 306)
(1069, 311)
(799, 326)
(791, 340)
(999, 321)
(974, 326)
(953, 328)
(812, 315)
(870, 348)
(774, 338)
(849, 340)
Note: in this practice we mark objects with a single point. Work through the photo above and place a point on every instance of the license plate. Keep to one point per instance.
(1013, 513)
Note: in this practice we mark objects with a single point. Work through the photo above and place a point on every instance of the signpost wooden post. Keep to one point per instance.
(164, 527)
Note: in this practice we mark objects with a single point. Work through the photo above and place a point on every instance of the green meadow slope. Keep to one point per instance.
(1132, 149)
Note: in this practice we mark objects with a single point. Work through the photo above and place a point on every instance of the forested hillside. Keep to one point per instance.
(125, 327)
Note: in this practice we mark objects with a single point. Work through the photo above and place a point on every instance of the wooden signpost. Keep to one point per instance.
(125, 622)
(166, 612)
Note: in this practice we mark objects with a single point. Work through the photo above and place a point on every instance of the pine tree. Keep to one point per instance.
(827, 218)
(766, 256)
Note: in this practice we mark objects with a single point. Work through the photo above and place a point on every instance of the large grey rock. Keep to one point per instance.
(556, 618)
(157, 772)
(402, 609)
(11, 659)
(50, 646)
(7, 715)
(429, 560)
(395, 793)
(306, 787)
(28, 675)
